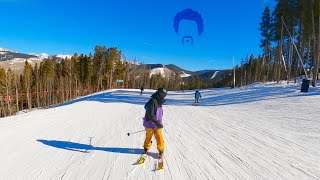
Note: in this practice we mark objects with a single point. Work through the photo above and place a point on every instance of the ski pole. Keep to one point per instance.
(136, 132)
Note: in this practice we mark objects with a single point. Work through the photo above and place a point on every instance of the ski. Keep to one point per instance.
(160, 164)
(142, 159)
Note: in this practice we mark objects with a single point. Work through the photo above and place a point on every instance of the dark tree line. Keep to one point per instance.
(55, 81)
(289, 32)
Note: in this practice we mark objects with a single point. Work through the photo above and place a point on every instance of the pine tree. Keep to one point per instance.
(251, 69)
(315, 51)
(192, 84)
(134, 73)
(37, 83)
(199, 82)
(317, 15)
(3, 82)
(119, 70)
(112, 56)
(27, 75)
(177, 82)
(126, 74)
(265, 28)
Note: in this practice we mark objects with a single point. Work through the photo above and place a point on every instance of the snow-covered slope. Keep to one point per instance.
(184, 75)
(3, 50)
(163, 71)
(157, 71)
(16, 61)
(8, 55)
(262, 131)
(41, 56)
(214, 75)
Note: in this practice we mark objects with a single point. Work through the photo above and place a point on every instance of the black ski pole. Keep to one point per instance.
(136, 132)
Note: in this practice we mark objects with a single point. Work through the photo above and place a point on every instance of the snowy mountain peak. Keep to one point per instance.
(7, 50)
(41, 56)
(64, 56)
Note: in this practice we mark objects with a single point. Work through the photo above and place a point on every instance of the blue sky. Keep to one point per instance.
(141, 29)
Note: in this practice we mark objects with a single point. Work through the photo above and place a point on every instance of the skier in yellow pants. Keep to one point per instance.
(158, 135)
(153, 121)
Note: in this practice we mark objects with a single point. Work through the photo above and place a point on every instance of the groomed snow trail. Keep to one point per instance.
(257, 132)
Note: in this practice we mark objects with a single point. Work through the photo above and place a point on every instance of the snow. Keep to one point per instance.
(64, 56)
(136, 63)
(18, 60)
(22, 60)
(41, 56)
(156, 71)
(34, 59)
(7, 50)
(262, 131)
(214, 75)
(163, 71)
(183, 74)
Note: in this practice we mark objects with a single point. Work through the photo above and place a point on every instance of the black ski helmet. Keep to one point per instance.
(162, 92)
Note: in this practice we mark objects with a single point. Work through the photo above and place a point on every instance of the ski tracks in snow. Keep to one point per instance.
(271, 138)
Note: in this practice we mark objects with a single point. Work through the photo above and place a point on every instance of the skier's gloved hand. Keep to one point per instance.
(160, 126)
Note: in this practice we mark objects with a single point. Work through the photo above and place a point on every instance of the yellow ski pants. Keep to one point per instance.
(158, 135)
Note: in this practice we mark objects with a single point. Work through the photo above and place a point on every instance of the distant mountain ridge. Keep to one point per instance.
(16, 61)
(7, 55)
(10, 57)
(207, 76)
(177, 69)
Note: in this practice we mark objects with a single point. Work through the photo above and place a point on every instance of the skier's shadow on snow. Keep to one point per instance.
(84, 148)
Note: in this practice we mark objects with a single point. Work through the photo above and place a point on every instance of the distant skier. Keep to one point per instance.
(153, 121)
(197, 96)
(141, 89)
(182, 86)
